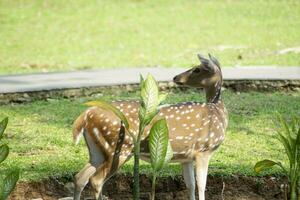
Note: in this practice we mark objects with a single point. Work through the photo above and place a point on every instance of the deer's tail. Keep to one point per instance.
(78, 127)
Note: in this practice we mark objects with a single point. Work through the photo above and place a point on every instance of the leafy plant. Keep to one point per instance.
(150, 100)
(288, 133)
(9, 180)
(160, 149)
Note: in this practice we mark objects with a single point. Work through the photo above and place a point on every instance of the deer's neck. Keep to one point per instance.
(213, 93)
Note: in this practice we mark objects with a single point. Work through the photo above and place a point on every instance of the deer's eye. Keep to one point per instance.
(197, 70)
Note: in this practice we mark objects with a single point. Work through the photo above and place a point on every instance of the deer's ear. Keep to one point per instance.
(214, 60)
(204, 61)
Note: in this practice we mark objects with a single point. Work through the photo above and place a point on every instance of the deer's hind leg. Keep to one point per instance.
(96, 159)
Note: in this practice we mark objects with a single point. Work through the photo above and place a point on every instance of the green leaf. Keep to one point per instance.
(9, 183)
(3, 125)
(158, 144)
(263, 165)
(108, 106)
(4, 151)
(149, 95)
(169, 154)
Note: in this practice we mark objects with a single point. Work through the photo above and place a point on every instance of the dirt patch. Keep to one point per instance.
(169, 188)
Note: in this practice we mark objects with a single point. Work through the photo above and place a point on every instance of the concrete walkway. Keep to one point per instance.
(105, 77)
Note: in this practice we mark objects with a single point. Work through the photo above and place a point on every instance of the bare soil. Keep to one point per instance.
(170, 188)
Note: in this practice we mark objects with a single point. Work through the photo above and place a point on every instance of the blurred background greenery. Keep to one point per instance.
(61, 35)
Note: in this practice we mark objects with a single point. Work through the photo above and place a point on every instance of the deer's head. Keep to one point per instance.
(205, 75)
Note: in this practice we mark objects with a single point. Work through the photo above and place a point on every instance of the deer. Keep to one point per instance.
(196, 130)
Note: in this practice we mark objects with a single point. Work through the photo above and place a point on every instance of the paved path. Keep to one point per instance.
(105, 77)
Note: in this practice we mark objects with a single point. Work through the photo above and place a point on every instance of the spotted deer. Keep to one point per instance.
(196, 130)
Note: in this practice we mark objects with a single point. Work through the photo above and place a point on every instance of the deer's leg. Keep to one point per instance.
(82, 178)
(189, 178)
(202, 161)
(98, 179)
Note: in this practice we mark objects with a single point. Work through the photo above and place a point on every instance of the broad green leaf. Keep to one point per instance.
(149, 95)
(263, 165)
(3, 125)
(169, 154)
(158, 144)
(108, 106)
(4, 151)
(9, 184)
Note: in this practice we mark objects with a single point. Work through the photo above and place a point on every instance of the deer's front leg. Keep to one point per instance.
(189, 178)
(202, 160)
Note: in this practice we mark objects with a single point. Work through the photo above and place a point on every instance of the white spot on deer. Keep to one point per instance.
(217, 139)
(177, 111)
(171, 140)
(96, 131)
(179, 137)
(184, 125)
(101, 115)
(188, 117)
(197, 129)
(193, 125)
(173, 129)
(203, 105)
(199, 139)
(106, 145)
(212, 134)
(121, 105)
(189, 106)
(104, 128)
(108, 133)
(191, 134)
(218, 127)
(205, 123)
(129, 106)
(161, 114)
(185, 141)
(206, 139)
(171, 116)
(192, 110)
(178, 118)
(115, 123)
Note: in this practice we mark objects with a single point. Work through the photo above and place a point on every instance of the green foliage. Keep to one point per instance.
(160, 149)
(8, 184)
(288, 133)
(9, 181)
(158, 145)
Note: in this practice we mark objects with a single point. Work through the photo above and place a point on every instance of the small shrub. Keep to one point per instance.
(9, 180)
(288, 133)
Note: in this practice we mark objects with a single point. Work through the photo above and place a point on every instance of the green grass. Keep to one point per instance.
(67, 35)
(39, 134)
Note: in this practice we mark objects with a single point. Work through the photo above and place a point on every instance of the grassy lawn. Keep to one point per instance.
(39, 134)
(56, 35)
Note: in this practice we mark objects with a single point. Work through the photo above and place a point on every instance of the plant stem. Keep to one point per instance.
(136, 171)
(153, 186)
(293, 190)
